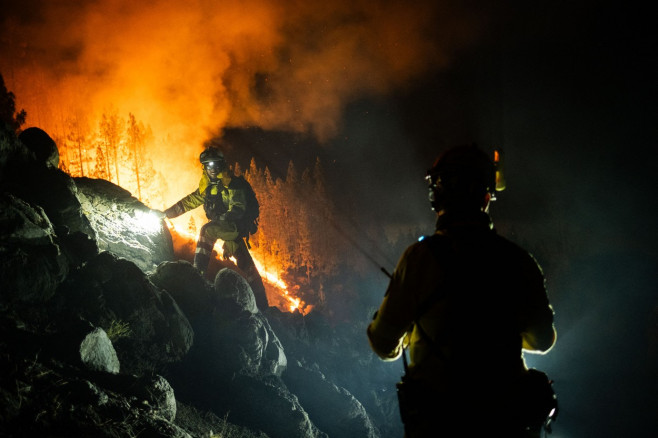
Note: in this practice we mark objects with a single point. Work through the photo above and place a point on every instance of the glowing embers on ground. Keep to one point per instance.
(290, 302)
(285, 300)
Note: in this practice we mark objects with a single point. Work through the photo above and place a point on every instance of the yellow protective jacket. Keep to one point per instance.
(464, 300)
(230, 200)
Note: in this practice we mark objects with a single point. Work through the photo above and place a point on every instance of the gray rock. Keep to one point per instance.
(124, 225)
(185, 284)
(243, 330)
(230, 285)
(97, 352)
(109, 290)
(23, 223)
(269, 406)
(28, 170)
(31, 263)
(159, 395)
(41, 145)
(333, 409)
(232, 336)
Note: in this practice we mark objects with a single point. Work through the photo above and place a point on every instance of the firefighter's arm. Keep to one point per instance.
(539, 339)
(388, 329)
(189, 202)
(385, 338)
(538, 334)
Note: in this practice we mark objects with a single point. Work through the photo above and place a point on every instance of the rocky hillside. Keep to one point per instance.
(105, 333)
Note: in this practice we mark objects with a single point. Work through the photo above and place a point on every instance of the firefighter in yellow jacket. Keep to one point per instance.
(224, 200)
(466, 302)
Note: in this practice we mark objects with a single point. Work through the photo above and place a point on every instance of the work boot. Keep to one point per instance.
(201, 262)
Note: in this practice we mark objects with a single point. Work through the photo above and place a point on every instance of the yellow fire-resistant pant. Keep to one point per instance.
(233, 247)
(210, 232)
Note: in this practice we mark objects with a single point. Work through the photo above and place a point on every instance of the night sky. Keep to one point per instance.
(568, 89)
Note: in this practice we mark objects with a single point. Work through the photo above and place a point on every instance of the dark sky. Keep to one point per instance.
(570, 92)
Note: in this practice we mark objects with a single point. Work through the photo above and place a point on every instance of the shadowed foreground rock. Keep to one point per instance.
(31, 262)
(236, 361)
(108, 291)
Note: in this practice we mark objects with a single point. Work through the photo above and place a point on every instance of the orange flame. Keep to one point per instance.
(271, 277)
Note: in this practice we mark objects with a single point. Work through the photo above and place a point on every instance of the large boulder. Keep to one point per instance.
(236, 361)
(115, 294)
(248, 334)
(192, 292)
(31, 263)
(124, 225)
(266, 405)
(332, 408)
(97, 352)
(28, 170)
(232, 336)
(37, 141)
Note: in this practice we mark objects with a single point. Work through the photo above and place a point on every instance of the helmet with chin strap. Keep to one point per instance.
(460, 178)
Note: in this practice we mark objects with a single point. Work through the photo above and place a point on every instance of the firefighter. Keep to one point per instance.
(466, 302)
(224, 200)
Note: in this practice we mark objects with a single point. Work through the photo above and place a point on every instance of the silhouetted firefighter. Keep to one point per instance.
(466, 301)
(232, 208)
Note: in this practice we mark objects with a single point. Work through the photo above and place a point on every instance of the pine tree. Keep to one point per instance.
(135, 143)
(9, 117)
(76, 142)
(110, 133)
(101, 167)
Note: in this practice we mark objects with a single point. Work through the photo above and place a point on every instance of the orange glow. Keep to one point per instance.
(291, 303)
(185, 71)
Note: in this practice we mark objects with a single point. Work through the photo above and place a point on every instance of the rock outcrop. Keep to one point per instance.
(123, 224)
(31, 262)
(109, 291)
(105, 333)
(236, 361)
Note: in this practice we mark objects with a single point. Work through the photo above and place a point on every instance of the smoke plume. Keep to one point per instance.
(190, 69)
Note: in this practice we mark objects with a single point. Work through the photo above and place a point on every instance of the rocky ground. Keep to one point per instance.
(105, 333)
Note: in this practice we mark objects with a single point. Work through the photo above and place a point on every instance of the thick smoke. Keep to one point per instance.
(190, 69)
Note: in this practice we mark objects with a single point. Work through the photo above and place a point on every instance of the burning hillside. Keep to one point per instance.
(132, 91)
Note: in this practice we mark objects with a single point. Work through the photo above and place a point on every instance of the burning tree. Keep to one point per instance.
(75, 145)
(293, 239)
(110, 138)
(294, 236)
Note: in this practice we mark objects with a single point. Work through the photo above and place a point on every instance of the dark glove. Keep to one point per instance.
(174, 211)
